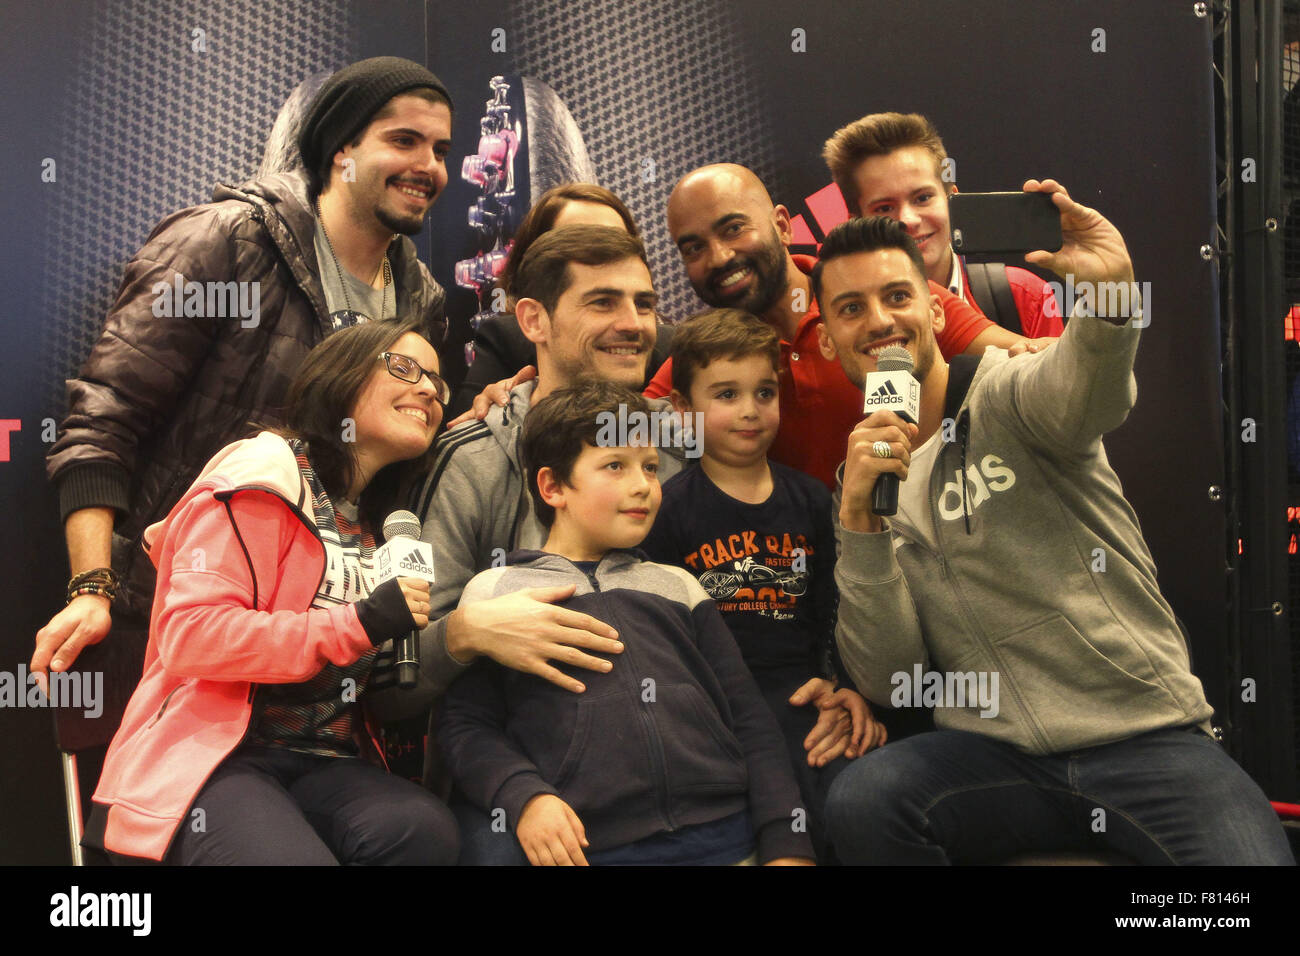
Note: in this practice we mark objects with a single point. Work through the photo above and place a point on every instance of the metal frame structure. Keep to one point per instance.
(1259, 716)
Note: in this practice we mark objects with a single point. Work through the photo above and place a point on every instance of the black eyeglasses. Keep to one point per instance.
(409, 370)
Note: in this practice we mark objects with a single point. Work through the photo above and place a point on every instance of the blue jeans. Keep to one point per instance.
(1165, 797)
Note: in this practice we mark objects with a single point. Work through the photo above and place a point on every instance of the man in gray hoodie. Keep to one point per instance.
(587, 300)
(1068, 715)
(585, 297)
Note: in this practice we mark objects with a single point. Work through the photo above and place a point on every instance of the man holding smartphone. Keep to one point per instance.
(1013, 591)
(891, 164)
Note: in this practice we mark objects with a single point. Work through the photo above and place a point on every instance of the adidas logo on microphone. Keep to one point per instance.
(895, 391)
(885, 395)
(414, 563)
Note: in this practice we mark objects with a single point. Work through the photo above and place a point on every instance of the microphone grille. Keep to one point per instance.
(401, 524)
(894, 358)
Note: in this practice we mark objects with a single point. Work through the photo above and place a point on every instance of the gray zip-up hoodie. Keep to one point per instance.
(1041, 574)
(474, 509)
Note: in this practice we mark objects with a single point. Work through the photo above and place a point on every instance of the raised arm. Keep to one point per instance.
(1074, 393)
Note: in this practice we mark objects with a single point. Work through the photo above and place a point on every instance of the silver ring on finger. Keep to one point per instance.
(882, 449)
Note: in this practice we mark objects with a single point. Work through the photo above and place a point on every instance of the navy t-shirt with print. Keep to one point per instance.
(769, 567)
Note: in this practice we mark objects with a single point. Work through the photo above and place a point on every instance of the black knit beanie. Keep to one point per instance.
(344, 105)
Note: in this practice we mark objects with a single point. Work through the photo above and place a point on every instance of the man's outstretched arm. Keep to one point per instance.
(1070, 396)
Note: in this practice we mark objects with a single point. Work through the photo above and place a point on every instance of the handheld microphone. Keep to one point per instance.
(404, 555)
(893, 389)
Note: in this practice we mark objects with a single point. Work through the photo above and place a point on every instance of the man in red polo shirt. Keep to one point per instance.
(734, 243)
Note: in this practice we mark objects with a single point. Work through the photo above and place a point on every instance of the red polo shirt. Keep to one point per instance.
(819, 405)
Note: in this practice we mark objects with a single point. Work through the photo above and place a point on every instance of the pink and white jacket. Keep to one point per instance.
(239, 563)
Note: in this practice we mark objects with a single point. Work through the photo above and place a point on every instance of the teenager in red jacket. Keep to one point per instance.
(245, 741)
(892, 164)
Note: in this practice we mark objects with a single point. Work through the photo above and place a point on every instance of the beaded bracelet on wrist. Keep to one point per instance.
(95, 581)
(102, 589)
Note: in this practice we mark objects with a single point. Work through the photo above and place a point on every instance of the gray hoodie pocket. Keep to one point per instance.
(1076, 691)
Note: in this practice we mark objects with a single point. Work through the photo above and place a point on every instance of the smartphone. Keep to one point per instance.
(1004, 222)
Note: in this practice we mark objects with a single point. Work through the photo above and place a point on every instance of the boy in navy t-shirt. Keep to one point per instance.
(758, 536)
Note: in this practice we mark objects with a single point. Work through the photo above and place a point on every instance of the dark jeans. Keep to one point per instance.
(796, 723)
(270, 806)
(481, 845)
(1166, 797)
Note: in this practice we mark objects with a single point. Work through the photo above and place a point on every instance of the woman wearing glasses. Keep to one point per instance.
(246, 740)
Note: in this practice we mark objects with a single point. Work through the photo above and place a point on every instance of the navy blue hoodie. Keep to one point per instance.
(676, 734)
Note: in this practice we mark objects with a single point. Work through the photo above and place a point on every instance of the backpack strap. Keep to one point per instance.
(961, 372)
(991, 290)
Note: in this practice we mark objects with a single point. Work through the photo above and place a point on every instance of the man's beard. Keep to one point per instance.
(406, 225)
(768, 267)
(573, 369)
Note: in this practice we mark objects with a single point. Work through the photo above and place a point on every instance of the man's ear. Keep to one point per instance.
(551, 490)
(781, 220)
(680, 402)
(533, 320)
(938, 317)
(824, 343)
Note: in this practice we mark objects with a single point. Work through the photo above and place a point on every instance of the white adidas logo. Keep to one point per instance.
(1000, 478)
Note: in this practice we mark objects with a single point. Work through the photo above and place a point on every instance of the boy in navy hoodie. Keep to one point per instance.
(668, 756)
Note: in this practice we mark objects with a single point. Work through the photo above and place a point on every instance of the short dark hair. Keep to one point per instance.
(544, 270)
(878, 134)
(865, 234)
(541, 219)
(558, 427)
(720, 334)
(323, 394)
(319, 178)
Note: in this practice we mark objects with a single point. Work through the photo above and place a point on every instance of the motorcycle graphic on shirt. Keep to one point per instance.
(747, 585)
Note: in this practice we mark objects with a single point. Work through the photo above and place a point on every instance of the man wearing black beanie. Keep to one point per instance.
(218, 310)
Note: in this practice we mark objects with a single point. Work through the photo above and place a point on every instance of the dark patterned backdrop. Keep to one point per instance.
(149, 125)
(642, 82)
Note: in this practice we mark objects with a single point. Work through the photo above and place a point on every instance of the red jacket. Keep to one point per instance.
(239, 563)
(1040, 315)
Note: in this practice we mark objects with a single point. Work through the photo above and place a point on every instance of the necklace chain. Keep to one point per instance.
(338, 267)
